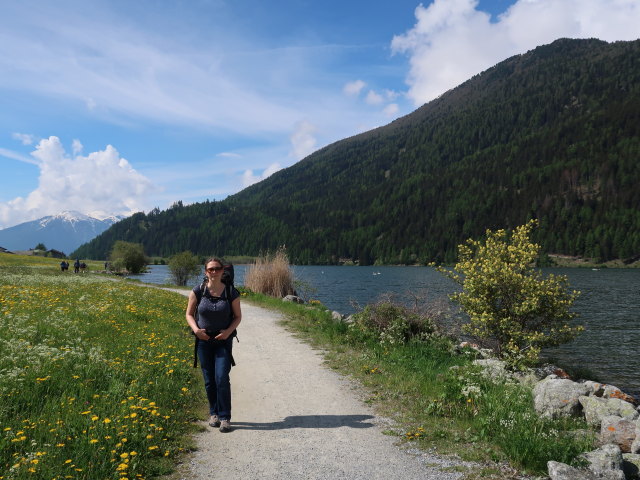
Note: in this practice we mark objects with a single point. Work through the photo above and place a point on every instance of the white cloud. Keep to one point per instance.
(391, 110)
(229, 155)
(99, 182)
(249, 178)
(76, 147)
(452, 40)
(130, 72)
(16, 156)
(354, 88)
(24, 138)
(303, 141)
(374, 98)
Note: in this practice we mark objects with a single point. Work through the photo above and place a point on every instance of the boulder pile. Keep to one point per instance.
(604, 407)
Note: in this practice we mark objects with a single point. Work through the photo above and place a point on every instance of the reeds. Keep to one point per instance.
(271, 275)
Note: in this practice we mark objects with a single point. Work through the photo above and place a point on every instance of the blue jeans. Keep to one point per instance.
(215, 361)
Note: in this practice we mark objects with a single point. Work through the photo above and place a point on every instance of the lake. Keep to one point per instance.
(609, 307)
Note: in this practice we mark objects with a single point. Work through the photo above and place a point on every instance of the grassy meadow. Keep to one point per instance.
(95, 375)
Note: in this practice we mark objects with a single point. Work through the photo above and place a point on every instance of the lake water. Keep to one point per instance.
(609, 307)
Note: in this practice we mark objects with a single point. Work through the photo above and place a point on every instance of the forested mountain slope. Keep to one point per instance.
(552, 134)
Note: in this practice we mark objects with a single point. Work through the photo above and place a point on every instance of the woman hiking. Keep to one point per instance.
(218, 316)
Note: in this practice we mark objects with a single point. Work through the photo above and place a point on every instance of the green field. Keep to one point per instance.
(95, 375)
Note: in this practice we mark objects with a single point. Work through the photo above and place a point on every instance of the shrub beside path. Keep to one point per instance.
(293, 418)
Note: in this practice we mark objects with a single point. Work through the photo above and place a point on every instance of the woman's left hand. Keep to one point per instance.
(223, 335)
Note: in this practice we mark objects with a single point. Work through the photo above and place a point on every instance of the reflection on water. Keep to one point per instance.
(609, 307)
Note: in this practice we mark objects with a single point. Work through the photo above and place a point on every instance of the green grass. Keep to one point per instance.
(95, 375)
(438, 400)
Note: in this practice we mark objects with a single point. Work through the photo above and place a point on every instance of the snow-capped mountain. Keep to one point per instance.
(64, 232)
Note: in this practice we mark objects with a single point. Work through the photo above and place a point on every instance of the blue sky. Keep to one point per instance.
(112, 107)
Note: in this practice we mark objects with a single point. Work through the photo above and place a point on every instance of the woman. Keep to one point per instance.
(214, 328)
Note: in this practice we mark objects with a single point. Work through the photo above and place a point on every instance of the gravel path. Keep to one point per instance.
(293, 418)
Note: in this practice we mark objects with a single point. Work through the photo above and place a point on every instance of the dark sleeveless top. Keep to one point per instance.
(214, 313)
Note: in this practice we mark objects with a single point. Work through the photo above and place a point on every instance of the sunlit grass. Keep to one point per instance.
(95, 375)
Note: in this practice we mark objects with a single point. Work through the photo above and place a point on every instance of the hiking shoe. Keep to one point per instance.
(225, 426)
(214, 421)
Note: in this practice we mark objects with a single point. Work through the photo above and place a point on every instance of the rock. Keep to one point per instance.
(614, 392)
(292, 298)
(558, 397)
(635, 446)
(618, 431)
(548, 369)
(596, 388)
(349, 320)
(562, 471)
(606, 462)
(595, 409)
(336, 316)
(631, 465)
(493, 368)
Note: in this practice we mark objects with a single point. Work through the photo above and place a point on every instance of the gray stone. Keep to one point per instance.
(631, 465)
(562, 471)
(618, 431)
(558, 397)
(337, 316)
(493, 368)
(349, 319)
(635, 446)
(596, 389)
(292, 298)
(606, 462)
(595, 409)
(610, 391)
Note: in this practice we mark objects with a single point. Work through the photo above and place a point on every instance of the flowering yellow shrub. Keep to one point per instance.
(508, 300)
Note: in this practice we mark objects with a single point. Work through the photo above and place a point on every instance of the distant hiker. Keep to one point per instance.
(76, 266)
(217, 309)
(63, 266)
(106, 266)
(83, 266)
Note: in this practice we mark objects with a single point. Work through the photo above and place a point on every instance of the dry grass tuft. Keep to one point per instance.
(271, 275)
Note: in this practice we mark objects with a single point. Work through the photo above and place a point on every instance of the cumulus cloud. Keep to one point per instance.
(76, 147)
(374, 98)
(303, 141)
(102, 181)
(391, 110)
(24, 138)
(452, 40)
(249, 178)
(354, 88)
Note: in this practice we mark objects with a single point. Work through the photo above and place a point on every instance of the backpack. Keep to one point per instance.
(227, 279)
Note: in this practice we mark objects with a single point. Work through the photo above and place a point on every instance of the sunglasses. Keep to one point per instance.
(215, 269)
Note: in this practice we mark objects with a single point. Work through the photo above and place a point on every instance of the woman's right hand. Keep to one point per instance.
(201, 333)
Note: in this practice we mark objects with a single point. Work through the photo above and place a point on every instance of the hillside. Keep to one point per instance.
(553, 134)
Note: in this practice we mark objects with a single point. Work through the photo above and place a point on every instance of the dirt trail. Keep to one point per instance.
(293, 418)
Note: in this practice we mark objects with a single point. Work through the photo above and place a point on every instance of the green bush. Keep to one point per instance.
(183, 267)
(127, 256)
(392, 324)
(508, 300)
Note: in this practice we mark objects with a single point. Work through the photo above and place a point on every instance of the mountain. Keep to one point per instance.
(552, 134)
(64, 232)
